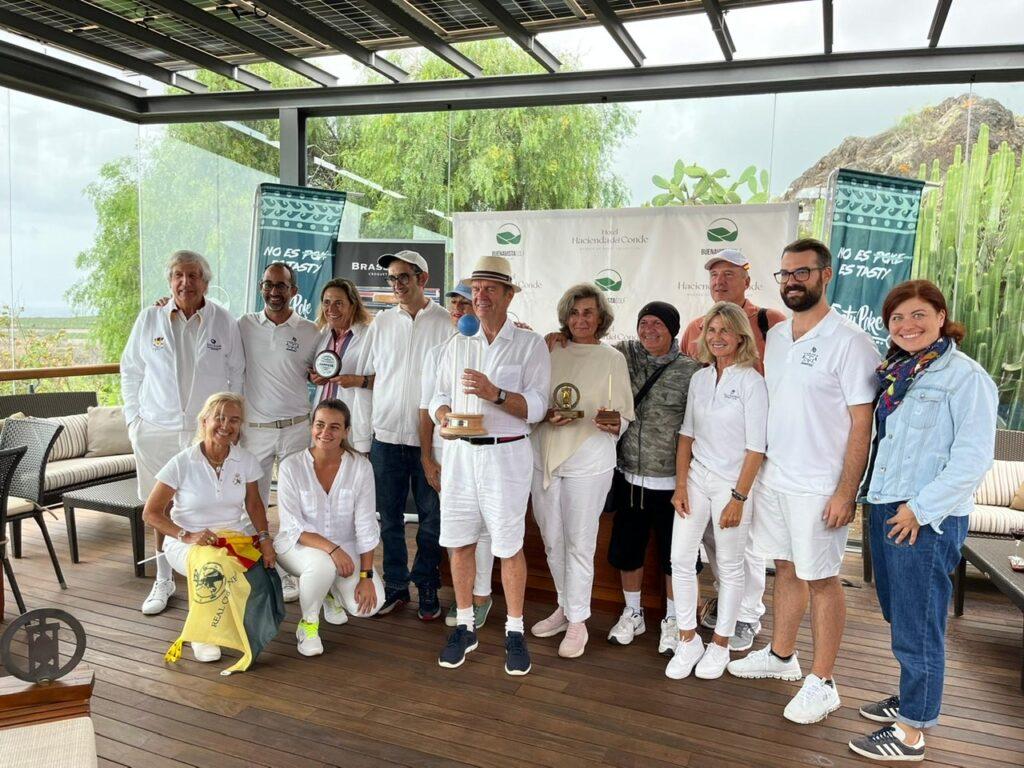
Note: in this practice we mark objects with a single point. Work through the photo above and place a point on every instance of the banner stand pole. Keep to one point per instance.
(830, 207)
(250, 290)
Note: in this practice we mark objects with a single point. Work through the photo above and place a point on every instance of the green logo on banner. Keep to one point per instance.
(608, 280)
(723, 231)
(509, 234)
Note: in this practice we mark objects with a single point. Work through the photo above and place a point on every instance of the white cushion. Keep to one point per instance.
(71, 442)
(107, 434)
(1000, 483)
(60, 474)
(996, 520)
(16, 504)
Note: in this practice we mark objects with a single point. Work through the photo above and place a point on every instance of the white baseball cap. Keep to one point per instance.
(409, 257)
(730, 255)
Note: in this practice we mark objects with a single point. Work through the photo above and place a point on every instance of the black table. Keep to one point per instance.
(118, 498)
(991, 557)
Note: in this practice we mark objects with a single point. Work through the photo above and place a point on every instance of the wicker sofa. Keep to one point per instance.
(68, 467)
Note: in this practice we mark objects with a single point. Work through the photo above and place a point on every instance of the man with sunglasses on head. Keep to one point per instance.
(393, 351)
(819, 369)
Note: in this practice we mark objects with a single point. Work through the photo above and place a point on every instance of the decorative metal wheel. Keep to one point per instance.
(38, 657)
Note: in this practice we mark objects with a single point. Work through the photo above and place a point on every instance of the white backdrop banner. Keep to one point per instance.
(636, 255)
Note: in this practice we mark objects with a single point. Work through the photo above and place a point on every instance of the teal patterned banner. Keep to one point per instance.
(299, 226)
(874, 226)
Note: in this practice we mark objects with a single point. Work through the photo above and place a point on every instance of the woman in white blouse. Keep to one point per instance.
(343, 320)
(329, 530)
(721, 447)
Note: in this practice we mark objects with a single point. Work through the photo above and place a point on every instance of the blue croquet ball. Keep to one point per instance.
(468, 325)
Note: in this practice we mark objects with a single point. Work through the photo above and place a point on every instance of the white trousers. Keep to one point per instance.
(708, 494)
(270, 445)
(568, 513)
(317, 576)
(752, 606)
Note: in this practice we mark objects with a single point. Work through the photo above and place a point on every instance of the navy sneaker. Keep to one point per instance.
(430, 606)
(460, 642)
(886, 745)
(517, 658)
(884, 711)
(393, 598)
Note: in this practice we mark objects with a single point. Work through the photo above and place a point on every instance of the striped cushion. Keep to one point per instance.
(996, 520)
(60, 474)
(999, 485)
(72, 442)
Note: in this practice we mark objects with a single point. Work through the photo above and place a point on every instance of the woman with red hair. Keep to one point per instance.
(935, 420)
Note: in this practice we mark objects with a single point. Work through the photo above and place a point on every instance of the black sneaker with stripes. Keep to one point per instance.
(885, 744)
(884, 711)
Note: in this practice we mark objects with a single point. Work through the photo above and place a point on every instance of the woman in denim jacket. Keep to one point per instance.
(935, 421)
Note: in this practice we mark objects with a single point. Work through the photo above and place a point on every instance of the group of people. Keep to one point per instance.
(747, 440)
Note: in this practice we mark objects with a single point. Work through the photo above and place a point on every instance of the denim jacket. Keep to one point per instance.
(939, 442)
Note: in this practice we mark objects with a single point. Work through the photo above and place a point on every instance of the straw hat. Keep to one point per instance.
(493, 268)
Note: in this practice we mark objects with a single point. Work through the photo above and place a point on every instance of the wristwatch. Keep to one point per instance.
(502, 397)
(366, 574)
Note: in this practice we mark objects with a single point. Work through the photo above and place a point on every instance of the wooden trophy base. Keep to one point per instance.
(609, 418)
(464, 425)
(567, 413)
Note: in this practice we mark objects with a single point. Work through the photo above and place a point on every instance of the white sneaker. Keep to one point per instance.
(685, 657)
(334, 611)
(669, 637)
(629, 625)
(762, 663)
(205, 652)
(815, 700)
(308, 635)
(713, 663)
(158, 596)
(289, 587)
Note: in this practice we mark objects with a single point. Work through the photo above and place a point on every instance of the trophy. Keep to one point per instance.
(467, 351)
(607, 416)
(327, 364)
(566, 397)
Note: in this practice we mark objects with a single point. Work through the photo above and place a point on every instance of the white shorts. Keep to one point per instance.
(153, 447)
(788, 527)
(268, 444)
(486, 488)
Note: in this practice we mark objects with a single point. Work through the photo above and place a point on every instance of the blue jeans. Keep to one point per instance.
(914, 589)
(396, 468)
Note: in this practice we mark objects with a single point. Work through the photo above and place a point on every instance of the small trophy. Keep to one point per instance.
(465, 419)
(607, 416)
(327, 364)
(567, 397)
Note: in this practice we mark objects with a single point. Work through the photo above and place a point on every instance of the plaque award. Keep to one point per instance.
(467, 351)
(607, 416)
(566, 397)
(327, 364)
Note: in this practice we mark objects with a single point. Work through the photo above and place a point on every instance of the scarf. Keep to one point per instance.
(899, 371)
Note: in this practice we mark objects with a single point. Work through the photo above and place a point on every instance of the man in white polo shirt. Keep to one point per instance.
(485, 481)
(177, 355)
(819, 369)
(279, 347)
(393, 350)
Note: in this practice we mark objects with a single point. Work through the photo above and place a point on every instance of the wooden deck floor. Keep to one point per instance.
(378, 698)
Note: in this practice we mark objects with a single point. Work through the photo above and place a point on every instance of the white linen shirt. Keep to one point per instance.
(347, 515)
(516, 361)
(427, 390)
(204, 500)
(277, 362)
(393, 350)
(726, 418)
(812, 382)
(149, 367)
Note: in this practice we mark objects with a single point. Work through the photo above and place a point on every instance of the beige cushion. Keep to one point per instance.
(61, 474)
(18, 415)
(107, 433)
(71, 442)
(996, 520)
(1017, 502)
(16, 504)
(1000, 483)
(61, 744)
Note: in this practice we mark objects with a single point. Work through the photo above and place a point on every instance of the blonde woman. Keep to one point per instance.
(343, 321)
(721, 447)
(214, 486)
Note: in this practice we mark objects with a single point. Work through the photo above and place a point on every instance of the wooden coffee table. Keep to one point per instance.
(118, 498)
(991, 557)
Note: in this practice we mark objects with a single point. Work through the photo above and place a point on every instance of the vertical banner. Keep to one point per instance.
(356, 260)
(874, 226)
(635, 255)
(299, 226)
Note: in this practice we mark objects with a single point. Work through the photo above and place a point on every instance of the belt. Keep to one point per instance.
(492, 440)
(280, 423)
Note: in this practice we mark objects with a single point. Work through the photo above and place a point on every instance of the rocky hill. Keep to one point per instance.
(918, 138)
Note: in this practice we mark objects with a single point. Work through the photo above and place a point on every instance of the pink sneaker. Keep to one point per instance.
(551, 626)
(574, 642)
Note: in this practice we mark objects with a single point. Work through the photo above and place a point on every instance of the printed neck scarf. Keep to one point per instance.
(898, 371)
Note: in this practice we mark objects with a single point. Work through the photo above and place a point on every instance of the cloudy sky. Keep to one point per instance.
(49, 153)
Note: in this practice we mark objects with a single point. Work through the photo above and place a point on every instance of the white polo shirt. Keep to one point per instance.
(203, 500)
(726, 418)
(516, 361)
(277, 360)
(811, 384)
(393, 349)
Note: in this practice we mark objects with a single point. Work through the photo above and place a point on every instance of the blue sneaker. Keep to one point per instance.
(517, 658)
(430, 606)
(460, 642)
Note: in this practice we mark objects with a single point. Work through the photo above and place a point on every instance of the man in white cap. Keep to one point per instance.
(728, 280)
(485, 481)
(393, 350)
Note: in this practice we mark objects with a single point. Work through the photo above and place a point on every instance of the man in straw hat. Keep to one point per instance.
(485, 481)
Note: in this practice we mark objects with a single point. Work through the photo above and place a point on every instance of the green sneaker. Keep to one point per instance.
(449, 620)
(480, 612)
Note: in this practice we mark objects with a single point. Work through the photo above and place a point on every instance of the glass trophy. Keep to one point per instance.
(466, 351)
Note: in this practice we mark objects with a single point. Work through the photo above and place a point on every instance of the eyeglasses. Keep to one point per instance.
(801, 275)
(270, 287)
(402, 279)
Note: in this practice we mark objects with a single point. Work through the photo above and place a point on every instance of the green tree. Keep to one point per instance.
(695, 185)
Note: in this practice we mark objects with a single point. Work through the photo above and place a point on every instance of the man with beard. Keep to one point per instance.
(819, 369)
